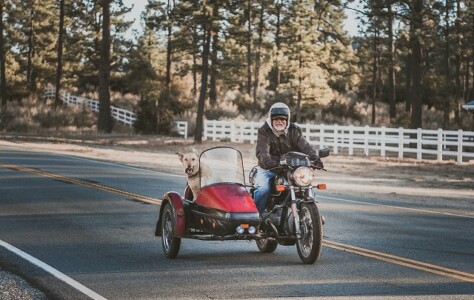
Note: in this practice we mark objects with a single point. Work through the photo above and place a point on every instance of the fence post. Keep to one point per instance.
(252, 133)
(419, 147)
(382, 143)
(336, 131)
(321, 137)
(366, 140)
(440, 145)
(205, 129)
(232, 131)
(351, 140)
(400, 142)
(214, 130)
(308, 138)
(460, 146)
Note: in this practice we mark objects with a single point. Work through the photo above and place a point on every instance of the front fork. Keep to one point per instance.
(294, 211)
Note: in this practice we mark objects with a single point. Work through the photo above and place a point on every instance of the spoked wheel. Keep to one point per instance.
(266, 245)
(169, 241)
(309, 246)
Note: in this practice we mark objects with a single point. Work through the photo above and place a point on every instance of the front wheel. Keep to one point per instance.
(310, 243)
(169, 241)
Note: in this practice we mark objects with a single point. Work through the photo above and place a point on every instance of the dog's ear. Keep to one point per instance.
(195, 151)
(180, 155)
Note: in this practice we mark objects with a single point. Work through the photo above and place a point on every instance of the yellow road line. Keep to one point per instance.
(83, 183)
(398, 260)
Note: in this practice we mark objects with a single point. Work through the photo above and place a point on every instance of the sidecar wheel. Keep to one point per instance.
(310, 243)
(266, 245)
(169, 241)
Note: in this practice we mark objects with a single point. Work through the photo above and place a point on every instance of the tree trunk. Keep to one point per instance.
(169, 50)
(446, 100)
(391, 66)
(258, 57)
(300, 83)
(29, 67)
(59, 69)
(458, 62)
(416, 95)
(204, 83)
(278, 43)
(194, 76)
(3, 80)
(408, 87)
(105, 118)
(249, 47)
(214, 59)
(374, 74)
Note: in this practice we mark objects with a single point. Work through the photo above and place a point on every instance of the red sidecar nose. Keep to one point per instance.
(226, 197)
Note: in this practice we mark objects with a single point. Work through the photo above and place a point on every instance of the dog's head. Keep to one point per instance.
(190, 161)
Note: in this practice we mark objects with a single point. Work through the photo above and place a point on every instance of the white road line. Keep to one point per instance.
(53, 271)
(397, 207)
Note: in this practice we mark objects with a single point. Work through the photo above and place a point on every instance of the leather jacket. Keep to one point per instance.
(271, 147)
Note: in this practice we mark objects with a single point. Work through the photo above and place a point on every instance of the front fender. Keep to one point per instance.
(176, 202)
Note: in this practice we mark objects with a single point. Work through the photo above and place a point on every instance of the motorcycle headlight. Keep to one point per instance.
(303, 176)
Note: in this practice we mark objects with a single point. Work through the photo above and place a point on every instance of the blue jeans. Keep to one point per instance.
(263, 184)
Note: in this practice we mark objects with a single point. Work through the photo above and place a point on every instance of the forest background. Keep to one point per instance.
(411, 65)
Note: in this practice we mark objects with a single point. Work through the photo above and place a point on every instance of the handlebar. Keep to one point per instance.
(315, 164)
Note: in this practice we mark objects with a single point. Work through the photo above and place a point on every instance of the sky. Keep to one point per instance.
(350, 25)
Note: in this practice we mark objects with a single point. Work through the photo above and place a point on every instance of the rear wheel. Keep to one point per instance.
(266, 245)
(169, 241)
(310, 243)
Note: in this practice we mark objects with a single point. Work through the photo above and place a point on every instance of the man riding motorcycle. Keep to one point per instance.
(276, 137)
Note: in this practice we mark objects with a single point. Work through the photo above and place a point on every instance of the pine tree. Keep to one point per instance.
(303, 56)
(33, 40)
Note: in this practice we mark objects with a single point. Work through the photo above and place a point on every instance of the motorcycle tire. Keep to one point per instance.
(169, 241)
(310, 244)
(266, 245)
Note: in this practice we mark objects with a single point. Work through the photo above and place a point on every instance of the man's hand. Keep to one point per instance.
(317, 162)
(270, 164)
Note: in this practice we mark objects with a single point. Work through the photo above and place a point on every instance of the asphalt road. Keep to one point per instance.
(88, 220)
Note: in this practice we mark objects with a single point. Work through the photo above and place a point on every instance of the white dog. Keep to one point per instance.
(190, 161)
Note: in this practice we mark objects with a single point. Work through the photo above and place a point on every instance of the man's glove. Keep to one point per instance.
(270, 164)
(317, 162)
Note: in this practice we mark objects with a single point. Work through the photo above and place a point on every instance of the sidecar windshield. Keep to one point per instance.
(221, 164)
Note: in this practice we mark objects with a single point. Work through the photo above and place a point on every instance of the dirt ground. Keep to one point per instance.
(360, 175)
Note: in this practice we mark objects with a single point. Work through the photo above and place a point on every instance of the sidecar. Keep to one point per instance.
(223, 209)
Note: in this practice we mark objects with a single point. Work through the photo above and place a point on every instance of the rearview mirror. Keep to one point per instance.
(324, 152)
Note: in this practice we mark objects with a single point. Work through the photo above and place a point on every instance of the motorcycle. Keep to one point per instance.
(292, 215)
(224, 209)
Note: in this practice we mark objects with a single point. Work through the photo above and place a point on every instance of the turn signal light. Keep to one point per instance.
(280, 188)
(321, 186)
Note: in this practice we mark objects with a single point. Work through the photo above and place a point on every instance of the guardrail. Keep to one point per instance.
(431, 144)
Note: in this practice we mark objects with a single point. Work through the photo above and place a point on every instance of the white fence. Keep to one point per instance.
(123, 116)
(420, 143)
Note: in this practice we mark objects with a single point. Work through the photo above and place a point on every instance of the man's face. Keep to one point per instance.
(279, 123)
